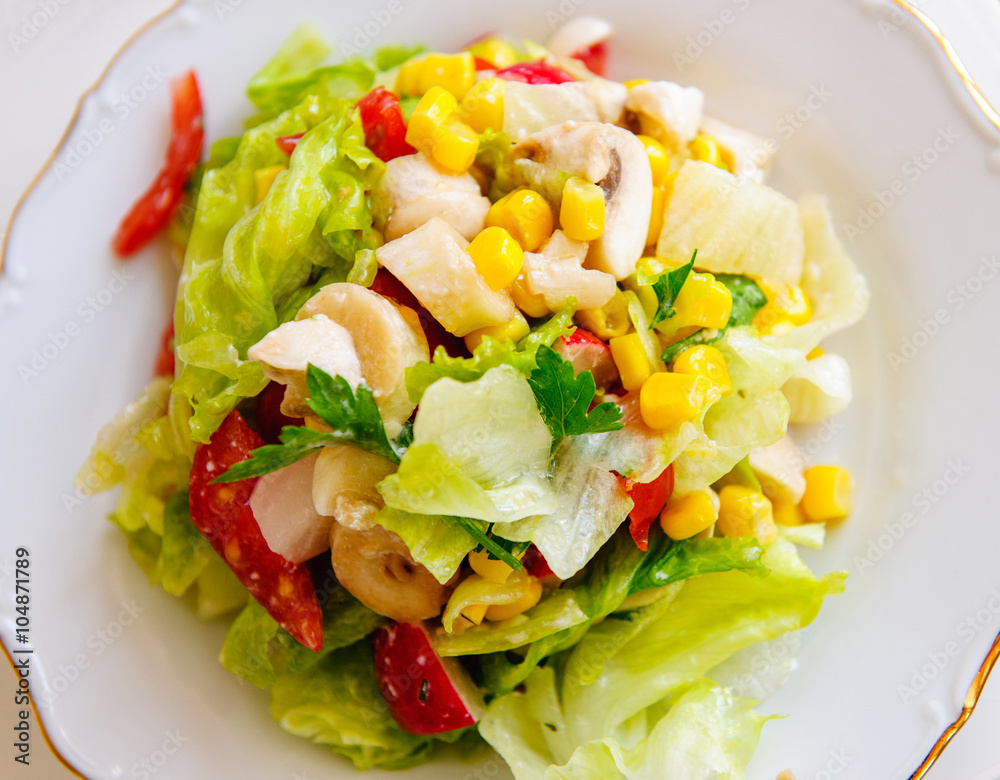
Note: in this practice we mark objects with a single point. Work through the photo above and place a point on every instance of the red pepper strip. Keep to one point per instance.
(287, 143)
(223, 514)
(388, 285)
(153, 210)
(482, 64)
(649, 499)
(534, 563)
(164, 365)
(535, 73)
(382, 120)
(594, 57)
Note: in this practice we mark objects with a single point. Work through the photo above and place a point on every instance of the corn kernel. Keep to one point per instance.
(455, 146)
(524, 214)
(784, 309)
(667, 400)
(482, 106)
(688, 515)
(264, 178)
(495, 51)
(659, 159)
(607, 322)
(828, 494)
(489, 568)
(631, 360)
(582, 211)
(453, 72)
(706, 361)
(498, 612)
(498, 257)
(656, 215)
(743, 512)
(702, 302)
(814, 353)
(433, 110)
(635, 83)
(532, 304)
(408, 78)
(514, 331)
(788, 514)
(704, 148)
(474, 613)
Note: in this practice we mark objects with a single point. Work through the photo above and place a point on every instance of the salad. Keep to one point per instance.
(473, 413)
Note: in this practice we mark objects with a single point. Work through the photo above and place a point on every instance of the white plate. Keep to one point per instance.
(850, 107)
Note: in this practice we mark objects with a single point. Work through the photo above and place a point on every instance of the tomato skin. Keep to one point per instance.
(164, 365)
(535, 564)
(535, 73)
(594, 57)
(388, 285)
(385, 129)
(287, 143)
(156, 206)
(649, 499)
(270, 418)
(223, 515)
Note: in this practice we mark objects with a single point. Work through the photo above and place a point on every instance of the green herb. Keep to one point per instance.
(354, 418)
(564, 397)
(667, 287)
(741, 475)
(748, 299)
(501, 549)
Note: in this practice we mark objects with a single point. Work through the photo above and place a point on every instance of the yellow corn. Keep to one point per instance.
(788, 514)
(702, 302)
(814, 353)
(524, 214)
(582, 211)
(635, 82)
(475, 613)
(705, 361)
(706, 149)
(453, 72)
(828, 494)
(433, 110)
(784, 308)
(515, 330)
(497, 612)
(264, 178)
(688, 515)
(607, 322)
(743, 512)
(434, 130)
(408, 79)
(489, 568)
(496, 51)
(498, 257)
(455, 146)
(659, 159)
(631, 360)
(532, 304)
(667, 400)
(482, 106)
(656, 215)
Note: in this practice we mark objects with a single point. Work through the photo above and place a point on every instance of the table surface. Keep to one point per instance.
(41, 80)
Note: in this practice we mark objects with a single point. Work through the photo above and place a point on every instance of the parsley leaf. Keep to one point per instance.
(355, 420)
(500, 549)
(748, 299)
(564, 397)
(667, 287)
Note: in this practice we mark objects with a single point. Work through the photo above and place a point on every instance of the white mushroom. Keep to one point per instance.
(616, 160)
(343, 485)
(412, 190)
(578, 33)
(283, 508)
(433, 264)
(779, 467)
(556, 272)
(751, 154)
(666, 111)
(388, 339)
(529, 108)
(285, 352)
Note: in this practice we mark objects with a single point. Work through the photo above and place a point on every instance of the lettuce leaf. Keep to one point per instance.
(185, 552)
(819, 389)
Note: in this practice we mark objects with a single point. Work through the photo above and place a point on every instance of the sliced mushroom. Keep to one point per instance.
(751, 154)
(433, 264)
(285, 352)
(616, 160)
(529, 108)
(556, 272)
(412, 190)
(283, 508)
(578, 33)
(376, 568)
(343, 485)
(668, 112)
(779, 467)
(388, 339)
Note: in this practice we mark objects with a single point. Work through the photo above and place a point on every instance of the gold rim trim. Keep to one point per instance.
(971, 86)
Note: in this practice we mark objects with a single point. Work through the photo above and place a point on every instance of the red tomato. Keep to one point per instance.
(153, 210)
(270, 419)
(594, 57)
(164, 365)
(534, 563)
(482, 64)
(287, 143)
(388, 285)
(385, 130)
(223, 514)
(649, 499)
(535, 73)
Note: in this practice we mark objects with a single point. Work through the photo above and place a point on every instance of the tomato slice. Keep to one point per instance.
(385, 129)
(287, 143)
(388, 285)
(649, 499)
(223, 514)
(153, 210)
(535, 73)
(595, 57)
(164, 365)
